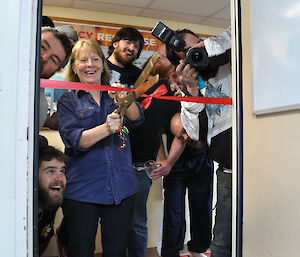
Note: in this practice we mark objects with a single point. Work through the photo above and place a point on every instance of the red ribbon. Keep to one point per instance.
(47, 83)
(58, 84)
(161, 90)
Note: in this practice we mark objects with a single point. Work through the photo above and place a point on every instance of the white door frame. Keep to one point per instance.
(17, 75)
(237, 131)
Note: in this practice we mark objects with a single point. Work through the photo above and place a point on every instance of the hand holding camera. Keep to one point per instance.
(188, 77)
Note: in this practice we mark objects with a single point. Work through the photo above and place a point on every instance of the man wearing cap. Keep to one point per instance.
(70, 32)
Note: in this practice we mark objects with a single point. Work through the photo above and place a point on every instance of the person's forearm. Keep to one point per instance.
(132, 112)
(91, 136)
(176, 150)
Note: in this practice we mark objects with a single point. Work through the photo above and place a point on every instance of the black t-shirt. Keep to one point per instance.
(145, 139)
(127, 75)
(46, 230)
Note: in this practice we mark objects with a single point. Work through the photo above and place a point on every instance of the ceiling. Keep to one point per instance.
(214, 13)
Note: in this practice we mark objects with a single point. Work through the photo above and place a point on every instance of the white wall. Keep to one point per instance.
(18, 40)
(271, 170)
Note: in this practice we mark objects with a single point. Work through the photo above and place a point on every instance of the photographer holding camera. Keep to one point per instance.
(211, 78)
(186, 172)
(219, 130)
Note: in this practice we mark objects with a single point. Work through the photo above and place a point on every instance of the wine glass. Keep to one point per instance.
(150, 166)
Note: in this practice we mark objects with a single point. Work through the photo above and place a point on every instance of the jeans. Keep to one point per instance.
(196, 176)
(139, 232)
(221, 244)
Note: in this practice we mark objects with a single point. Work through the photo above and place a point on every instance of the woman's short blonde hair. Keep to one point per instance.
(94, 45)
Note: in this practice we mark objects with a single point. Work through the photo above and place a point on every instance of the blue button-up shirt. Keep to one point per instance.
(100, 174)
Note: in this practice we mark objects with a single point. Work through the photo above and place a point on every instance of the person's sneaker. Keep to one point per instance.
(194, 254)
(62, 250)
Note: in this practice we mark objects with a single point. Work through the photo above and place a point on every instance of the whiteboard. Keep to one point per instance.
(275, 45)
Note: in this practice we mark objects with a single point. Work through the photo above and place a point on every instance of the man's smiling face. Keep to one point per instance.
(126, 51)
(52, 183)
(52, 54)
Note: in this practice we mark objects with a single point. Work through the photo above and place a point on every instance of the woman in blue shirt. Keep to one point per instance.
(100, 180)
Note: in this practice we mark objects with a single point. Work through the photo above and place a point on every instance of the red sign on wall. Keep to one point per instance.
(105, 34)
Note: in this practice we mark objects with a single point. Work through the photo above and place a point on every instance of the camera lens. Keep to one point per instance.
(197, 57)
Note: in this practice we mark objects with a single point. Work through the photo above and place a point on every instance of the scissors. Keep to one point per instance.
(125, 101)
(140, 87)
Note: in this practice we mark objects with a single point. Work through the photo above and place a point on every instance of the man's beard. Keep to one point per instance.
(46, 202)
(118, 55)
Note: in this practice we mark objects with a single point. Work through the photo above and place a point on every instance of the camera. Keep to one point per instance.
(167, 36)
(196, 57)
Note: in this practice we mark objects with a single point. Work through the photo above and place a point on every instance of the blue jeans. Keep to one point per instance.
(139, 233)
(196, 176)
(221, 244)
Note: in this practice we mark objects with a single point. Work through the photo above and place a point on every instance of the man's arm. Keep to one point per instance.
(188, 77)
(216, 45)
(176, 150)
(219, 44)
(91, 136)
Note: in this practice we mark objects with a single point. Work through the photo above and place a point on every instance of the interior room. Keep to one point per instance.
(264, 103)
(84, 16)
